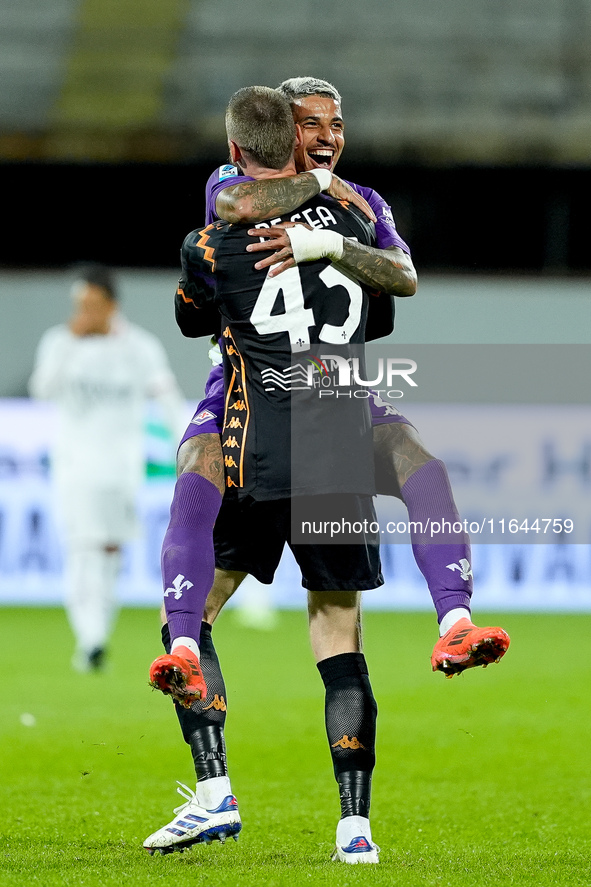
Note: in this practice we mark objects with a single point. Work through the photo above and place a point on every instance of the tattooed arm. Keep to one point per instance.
(390, 271)
(263, 199)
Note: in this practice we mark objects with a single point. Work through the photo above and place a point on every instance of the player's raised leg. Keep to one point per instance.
(188, 560)
(422, 482)
(350, 716)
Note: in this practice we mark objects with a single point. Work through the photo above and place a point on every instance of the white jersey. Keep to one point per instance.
(100, 385)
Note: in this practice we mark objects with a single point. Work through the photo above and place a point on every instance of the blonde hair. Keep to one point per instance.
(260, 122)
(297, 87)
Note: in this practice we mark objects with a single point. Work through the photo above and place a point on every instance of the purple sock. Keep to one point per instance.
(188, 560)
(443, 558)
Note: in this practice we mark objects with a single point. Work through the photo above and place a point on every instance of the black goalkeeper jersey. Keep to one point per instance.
(295, 422)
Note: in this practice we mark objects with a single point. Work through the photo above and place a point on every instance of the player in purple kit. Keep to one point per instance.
(187, 555)
(415, 475)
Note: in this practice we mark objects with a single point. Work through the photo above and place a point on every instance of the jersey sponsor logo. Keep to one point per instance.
(463, 567)
(203, 416)
(227, 170)
(345, 742)
(179, 585)
(387, 214)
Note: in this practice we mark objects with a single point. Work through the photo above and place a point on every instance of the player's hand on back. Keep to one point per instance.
(277, 240)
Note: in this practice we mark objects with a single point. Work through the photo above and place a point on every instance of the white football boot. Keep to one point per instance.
(354, 844)
(194, 824)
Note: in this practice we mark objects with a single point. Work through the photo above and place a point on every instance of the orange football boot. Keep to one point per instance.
(466, 646)
(179, 675)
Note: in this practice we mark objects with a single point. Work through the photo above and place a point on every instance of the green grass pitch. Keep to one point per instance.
(481, 780)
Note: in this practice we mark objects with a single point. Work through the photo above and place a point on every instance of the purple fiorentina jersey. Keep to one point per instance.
(386, 233)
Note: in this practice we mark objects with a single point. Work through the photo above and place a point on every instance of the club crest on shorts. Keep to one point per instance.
(203, 416)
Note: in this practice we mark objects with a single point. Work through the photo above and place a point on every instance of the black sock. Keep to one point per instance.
(203, 724)
(350, 715)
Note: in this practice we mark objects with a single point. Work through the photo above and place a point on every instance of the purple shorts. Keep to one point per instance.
(209, 415)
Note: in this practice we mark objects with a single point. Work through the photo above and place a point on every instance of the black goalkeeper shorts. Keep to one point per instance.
(250, 536)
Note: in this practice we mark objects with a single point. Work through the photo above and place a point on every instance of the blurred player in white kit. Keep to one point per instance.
(100, 370)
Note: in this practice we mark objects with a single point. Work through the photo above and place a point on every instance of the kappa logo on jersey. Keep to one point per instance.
(227, 170)
(463, 567)
(203, 416)
(236, 403)
(179, 585)
(285, 379)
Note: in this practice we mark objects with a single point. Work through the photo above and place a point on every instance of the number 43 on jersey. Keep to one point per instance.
(297, 320)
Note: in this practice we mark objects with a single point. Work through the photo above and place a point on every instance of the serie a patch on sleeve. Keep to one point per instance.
(227, 171)
(202, 417)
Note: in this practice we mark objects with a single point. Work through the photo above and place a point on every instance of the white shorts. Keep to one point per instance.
(97, 515)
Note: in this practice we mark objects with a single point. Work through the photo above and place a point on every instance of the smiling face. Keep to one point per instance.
(322, 130)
